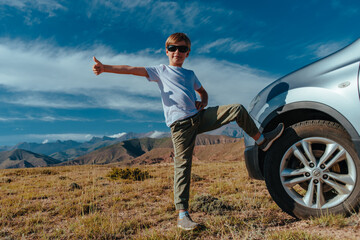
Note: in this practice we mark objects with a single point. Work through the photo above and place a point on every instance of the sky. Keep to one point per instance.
(48, 91)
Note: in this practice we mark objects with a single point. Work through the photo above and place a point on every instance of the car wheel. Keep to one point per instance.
(313, 169)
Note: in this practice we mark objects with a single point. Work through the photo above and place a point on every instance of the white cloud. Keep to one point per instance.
(228, 45)
(44, 138)
(321, 50)
(134, 3)
(61, 137)
(28, 6)
(40, 75)
(41, 118)
(163, 15)
(118, 135)
(326, 49)
(47, 6)
(37, 74)
(118, 100)
(41, 100)
(59, 118)
(14, 3)
(40, 67)
(8, 119)
(121, 4)
(228, 83)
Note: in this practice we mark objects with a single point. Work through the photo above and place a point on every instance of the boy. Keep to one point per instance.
(187, 117)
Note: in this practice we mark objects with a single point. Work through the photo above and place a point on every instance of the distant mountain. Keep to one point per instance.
(47, 148)
(19, 158)
(97, 143)
(130, 149)
(122, 151)
(128, 152)
(230, 130)
(69, 150)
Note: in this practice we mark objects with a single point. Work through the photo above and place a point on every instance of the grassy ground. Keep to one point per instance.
(82, 202)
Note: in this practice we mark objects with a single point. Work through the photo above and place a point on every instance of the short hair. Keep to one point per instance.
(178, 37)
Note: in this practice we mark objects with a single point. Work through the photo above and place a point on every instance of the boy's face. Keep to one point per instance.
(177, 58)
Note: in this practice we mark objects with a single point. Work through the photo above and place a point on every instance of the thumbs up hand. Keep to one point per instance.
(98, 67)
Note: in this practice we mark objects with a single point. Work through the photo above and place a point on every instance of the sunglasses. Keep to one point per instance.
(182, 49)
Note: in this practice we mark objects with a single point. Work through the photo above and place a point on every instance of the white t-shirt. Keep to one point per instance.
(177, 86)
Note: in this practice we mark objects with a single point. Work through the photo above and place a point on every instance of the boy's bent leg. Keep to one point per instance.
(245, 122)
(215, 117)
(183, 137)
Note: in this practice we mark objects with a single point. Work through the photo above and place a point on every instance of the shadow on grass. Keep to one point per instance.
(192, 234)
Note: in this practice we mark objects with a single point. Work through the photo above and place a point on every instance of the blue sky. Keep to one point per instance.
(48, 90)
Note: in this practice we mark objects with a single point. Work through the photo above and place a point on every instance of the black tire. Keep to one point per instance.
(294, 181)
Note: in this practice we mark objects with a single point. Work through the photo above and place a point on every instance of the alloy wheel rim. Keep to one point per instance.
(318, 173)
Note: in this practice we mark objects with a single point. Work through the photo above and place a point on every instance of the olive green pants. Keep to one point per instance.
(184, 133)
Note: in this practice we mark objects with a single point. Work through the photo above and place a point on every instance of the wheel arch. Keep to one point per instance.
(301, 111)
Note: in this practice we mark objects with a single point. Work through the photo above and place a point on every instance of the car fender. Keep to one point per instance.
(344, 118)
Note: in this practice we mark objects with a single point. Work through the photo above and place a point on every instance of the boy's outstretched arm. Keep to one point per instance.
(204, 99)
(99, 68)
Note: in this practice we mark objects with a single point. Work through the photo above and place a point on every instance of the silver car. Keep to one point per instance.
(314, 167)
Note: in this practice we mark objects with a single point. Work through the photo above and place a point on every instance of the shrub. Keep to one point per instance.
(196, 178)
(32, 171)
(209, 204)
(133, 174)
(74, 186)
(48, 172)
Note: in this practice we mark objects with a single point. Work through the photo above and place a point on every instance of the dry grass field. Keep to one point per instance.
(83, 202)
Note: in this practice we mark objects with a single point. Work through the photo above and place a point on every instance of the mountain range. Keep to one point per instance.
(123, 147)
(19, 158)
(68, 150)
(154, 150)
